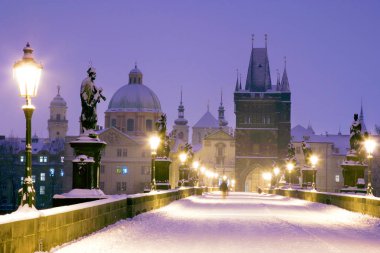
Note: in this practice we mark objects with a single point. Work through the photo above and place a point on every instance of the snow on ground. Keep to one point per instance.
(243, 222)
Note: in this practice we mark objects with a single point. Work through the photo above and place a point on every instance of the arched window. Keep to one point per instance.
(58, 116)
(130, 125)
(149, 125)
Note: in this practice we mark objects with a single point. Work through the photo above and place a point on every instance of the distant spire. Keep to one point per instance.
(309, 127)
(266, 40)
(222, 121)
(237, 80)
(285, 81)
(253, 38)
(278, 83)
(361, 117)
(181, 113)
(59, 89)
(339, 132)
(240, 82)
(208, 105)
(135, 64)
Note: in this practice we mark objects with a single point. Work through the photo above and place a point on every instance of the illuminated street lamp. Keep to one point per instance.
(267, 176)
(182, 158)
(290, 167)
(314, 160)
(154, 142)
(370, 146)
(195, 167)
(276, 171)
(27, 73)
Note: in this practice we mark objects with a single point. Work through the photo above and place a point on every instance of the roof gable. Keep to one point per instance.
(114, 136)
(219, 135)
(207, 121)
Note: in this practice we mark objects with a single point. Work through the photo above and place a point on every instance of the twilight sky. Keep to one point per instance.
(332, 50)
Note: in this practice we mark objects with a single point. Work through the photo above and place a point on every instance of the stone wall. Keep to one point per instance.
(48, 228)
(360, 204)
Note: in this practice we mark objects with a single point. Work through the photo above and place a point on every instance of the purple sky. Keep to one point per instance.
(332, 49)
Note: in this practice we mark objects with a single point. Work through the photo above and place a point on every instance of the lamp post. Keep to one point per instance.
(370, 145)
(182, 158)
(154, 141)
(276, 171)
(290, 167)
(195, 167)
(27, 73)
(314, 160)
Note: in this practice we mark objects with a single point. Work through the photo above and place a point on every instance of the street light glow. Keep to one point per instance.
(196, 165)
(183, 157)
(370, 146)
(267, 176)
(276, 171)
(154, 141)
(314, 160)
(290, 166)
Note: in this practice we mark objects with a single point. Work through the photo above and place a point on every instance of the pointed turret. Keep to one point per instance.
(237, 80)
(284, 81)
(222, 121)
(310, 128)
(181, 114)
(258, 76)
(278, 83)
(361, 118)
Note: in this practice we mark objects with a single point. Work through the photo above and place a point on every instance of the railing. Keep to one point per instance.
(45, 229)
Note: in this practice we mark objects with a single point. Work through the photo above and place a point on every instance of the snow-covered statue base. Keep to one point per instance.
(353, 173)
(86, 164)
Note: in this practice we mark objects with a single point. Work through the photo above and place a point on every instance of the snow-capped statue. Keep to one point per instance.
(355, 134)
(291, 156)
(164, 148)
(90, 96)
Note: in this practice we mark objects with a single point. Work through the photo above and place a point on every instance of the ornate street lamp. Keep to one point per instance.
(290, 167)
(314, 160)
(154, 142)
(182, 158)
(276, 171)
(370, 146)
(27, 73)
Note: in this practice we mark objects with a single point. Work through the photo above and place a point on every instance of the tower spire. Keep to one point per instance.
(237, 80)
(284, 81)
(361, 117)
(222, 121)
(253, 38)
(58, 89)
(181, 113)
(240, 82)
(266, 40)
(278, 83)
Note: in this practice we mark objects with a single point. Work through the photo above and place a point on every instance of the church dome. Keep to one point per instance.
(134, 96)
(58, 101)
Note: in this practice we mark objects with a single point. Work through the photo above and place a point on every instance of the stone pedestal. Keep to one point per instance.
(353, 173)
(86, 165)
(162, 173)
(307, 176)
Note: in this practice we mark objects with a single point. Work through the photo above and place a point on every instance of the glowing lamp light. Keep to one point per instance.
(267, 176)
(290, 166)
(203, 169)
(183, 157)
(27, 73)
(276, 171)
(233, 182)
(154, 141)
(314, 160)
(224, 178)
(195, 165)
(370, 146)
(216, 175)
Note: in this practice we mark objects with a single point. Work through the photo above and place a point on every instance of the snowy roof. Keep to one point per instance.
(340, 142)
(207, 121)
(38, 145)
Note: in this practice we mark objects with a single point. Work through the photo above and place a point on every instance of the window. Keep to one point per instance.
(125, 152)
(58, 116)
(102, 169)
(118, 152)
(337, 178)
(62, 173)
(113, 123)
(130, 125)
(52, 171)
(118, 186)
(118, 170)
(42, 190)
(124, 186)
(22, 159)
(149, 125)
(43, 159)
(22, 180)
(145, 171)
(101, 185)
(33, 178)
(62, 159)
(42, 176)
(124, 170)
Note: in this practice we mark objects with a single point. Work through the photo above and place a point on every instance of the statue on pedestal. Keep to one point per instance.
(355, 134)
(90, 96)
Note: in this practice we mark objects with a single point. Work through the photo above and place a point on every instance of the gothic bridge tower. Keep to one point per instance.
(262, 121)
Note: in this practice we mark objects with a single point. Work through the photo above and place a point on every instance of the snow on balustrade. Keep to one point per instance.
(243, 222)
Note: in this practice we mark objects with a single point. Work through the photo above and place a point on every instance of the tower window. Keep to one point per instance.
(57, 133)
(58, 117)
(42, 190)
(113, 123)
(130, 125)
(149, 125)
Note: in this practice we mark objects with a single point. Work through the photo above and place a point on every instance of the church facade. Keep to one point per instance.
(262, 121)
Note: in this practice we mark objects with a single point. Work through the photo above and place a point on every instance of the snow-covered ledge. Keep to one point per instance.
(40, 230)
(356, 203)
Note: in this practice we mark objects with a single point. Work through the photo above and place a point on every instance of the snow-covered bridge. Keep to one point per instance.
(243, 222)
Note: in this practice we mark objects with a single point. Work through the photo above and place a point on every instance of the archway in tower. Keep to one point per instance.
(254, 180)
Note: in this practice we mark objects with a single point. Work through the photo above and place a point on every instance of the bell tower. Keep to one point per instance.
(57, 123)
